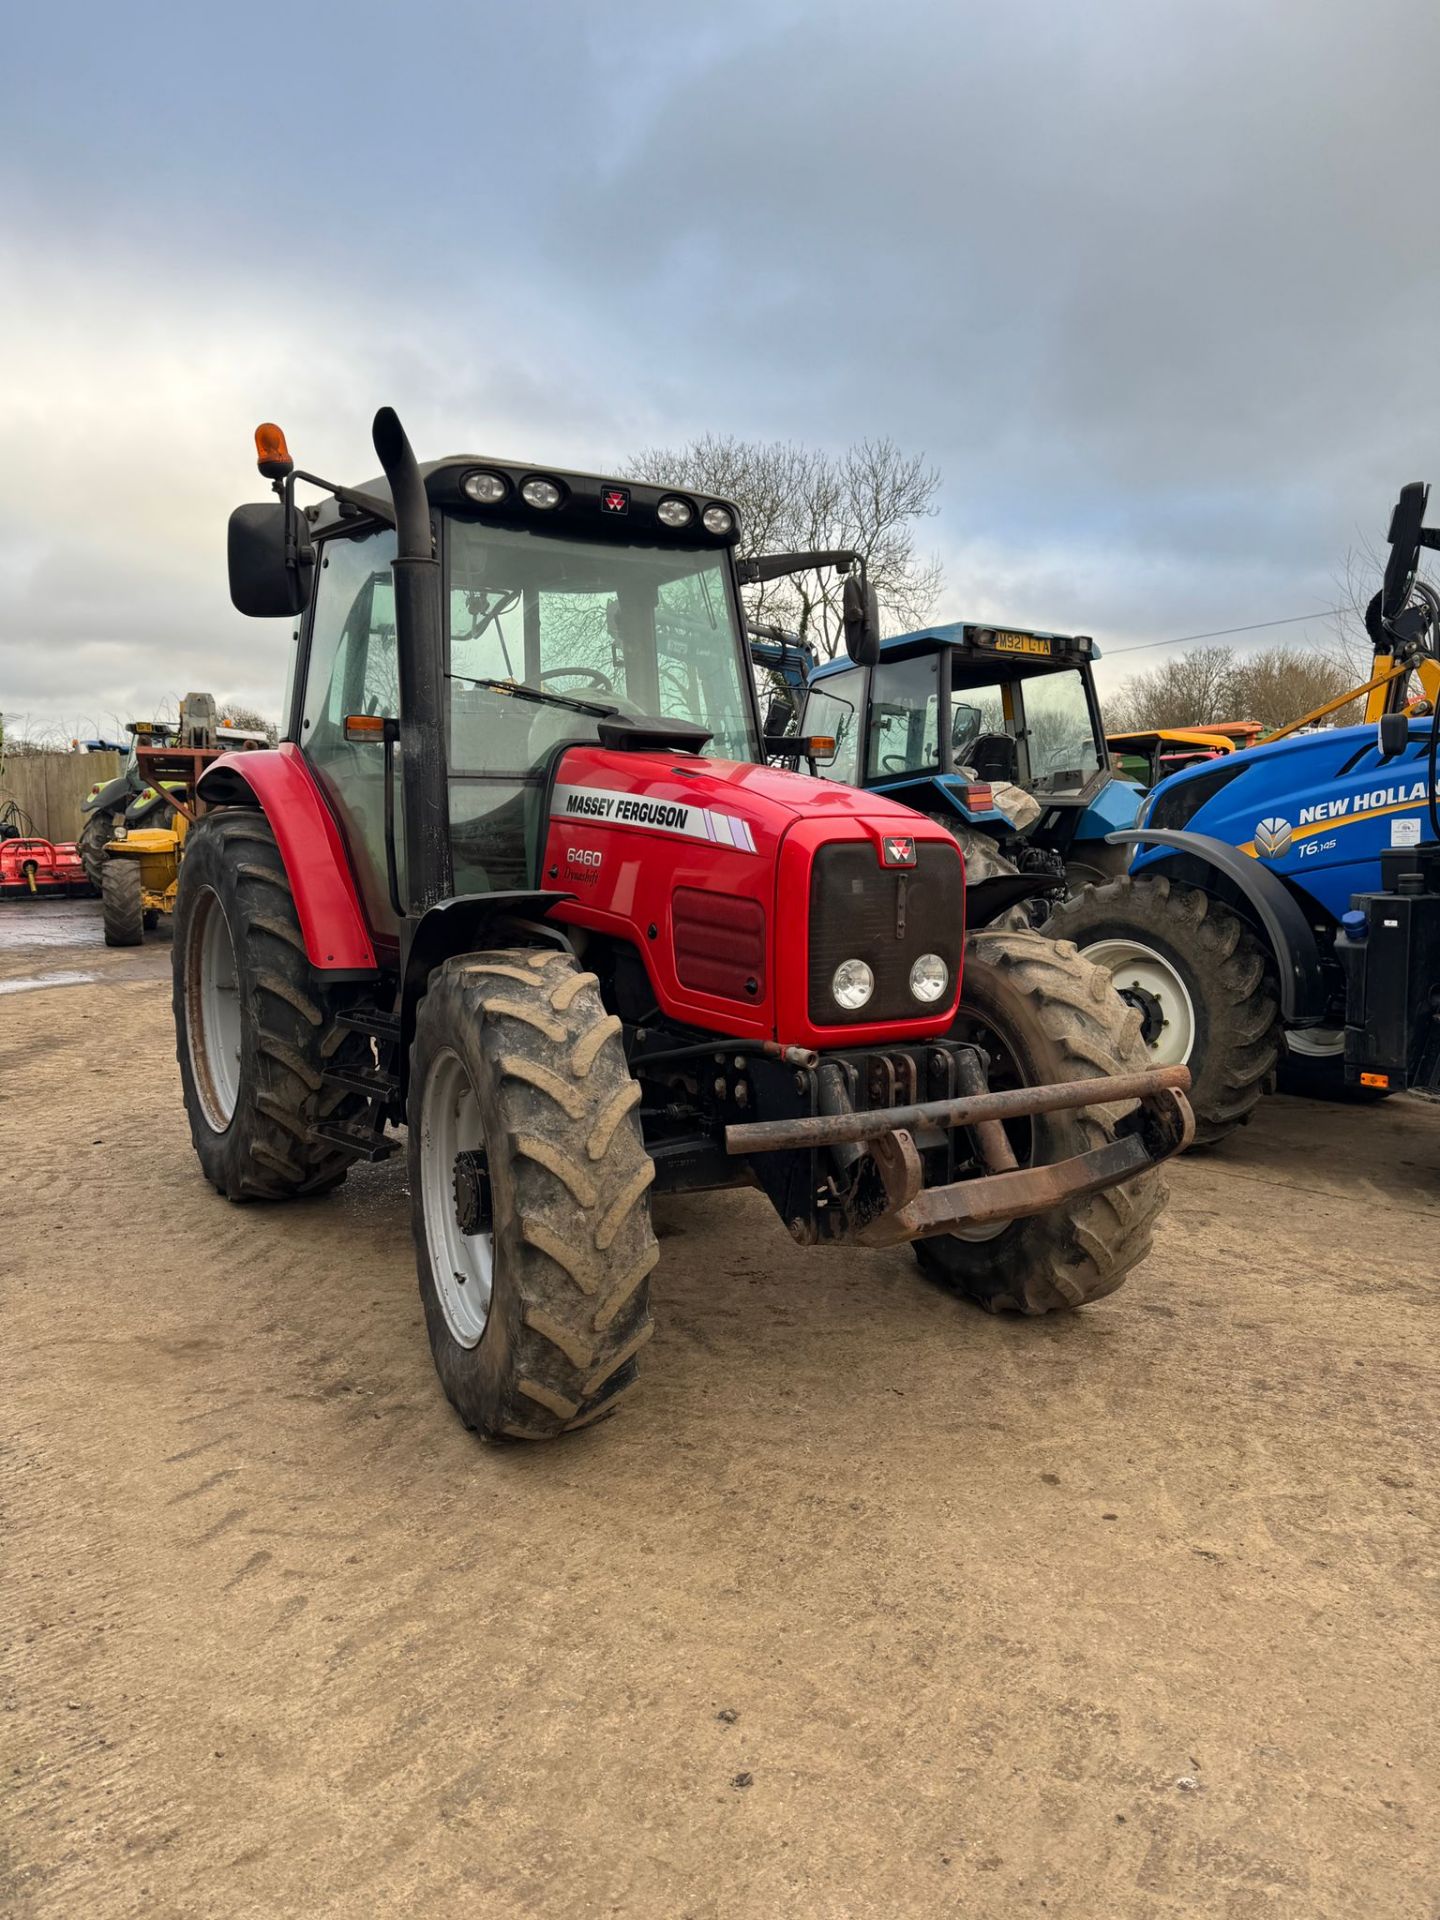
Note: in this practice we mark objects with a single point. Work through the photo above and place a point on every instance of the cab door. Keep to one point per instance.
(352, 666)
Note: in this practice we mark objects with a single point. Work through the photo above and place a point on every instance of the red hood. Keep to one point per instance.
(766, 797)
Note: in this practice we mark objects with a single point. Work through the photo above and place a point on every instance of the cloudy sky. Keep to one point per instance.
(1155, 286)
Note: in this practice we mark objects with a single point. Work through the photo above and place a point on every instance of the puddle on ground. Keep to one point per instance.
(47, 980)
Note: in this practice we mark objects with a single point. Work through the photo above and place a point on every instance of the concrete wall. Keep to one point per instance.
(50, 786)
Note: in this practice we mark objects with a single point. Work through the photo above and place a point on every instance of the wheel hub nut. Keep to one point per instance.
(472, 1193)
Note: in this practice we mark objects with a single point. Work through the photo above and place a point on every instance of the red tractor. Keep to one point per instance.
(493, 885)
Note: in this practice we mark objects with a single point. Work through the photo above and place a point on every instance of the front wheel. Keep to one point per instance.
(1043, 1015)
(529, 1186)
(1200, 981)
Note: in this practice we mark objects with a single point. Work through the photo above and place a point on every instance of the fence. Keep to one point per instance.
(50, 786)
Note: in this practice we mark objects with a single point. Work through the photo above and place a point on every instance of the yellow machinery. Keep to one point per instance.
(140, 876)
(142, 864)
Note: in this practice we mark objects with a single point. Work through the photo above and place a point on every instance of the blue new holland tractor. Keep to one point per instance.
(1281, 916)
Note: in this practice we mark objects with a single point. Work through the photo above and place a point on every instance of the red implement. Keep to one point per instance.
(31, 867)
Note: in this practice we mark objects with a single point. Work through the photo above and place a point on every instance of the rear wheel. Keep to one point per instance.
(91, 842)
(1200, 980)
(122, 903)
(529, 1189)
(1043, 1014)
(255, 1031)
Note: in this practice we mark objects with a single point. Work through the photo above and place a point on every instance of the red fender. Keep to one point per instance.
(280, 783)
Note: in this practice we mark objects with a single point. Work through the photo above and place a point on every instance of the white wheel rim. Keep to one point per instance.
(1316, 1043)
(1131, 965)
(213, 1013)
(462, 1265)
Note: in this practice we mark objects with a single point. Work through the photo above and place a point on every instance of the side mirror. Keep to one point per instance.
(778, 716)
(263, 582)
(1405, 537)
(861, 621)
(1393, 734)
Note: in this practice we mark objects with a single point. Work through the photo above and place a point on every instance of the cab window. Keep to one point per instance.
(905, 718)
(833, 708)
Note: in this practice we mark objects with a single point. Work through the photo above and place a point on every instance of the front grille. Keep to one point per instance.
(1177, 800)
(885, 916)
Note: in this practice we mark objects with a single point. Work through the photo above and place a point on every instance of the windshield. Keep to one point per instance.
(592, 625)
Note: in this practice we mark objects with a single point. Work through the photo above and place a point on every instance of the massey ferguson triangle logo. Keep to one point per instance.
(898, 850)
(1272, 838)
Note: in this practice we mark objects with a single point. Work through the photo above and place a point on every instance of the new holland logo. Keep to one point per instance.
(1272, 838)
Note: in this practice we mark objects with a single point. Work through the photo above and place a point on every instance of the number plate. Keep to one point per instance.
(1020, 643)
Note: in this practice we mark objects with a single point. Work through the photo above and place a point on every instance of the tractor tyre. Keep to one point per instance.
(1095, 865)
(1044, 1015)
(255, 1030)
(91, 842)
(1201, 980)
(122, 903)
(529, 1185)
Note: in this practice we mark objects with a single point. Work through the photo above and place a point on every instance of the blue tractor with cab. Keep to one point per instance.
(995, 733)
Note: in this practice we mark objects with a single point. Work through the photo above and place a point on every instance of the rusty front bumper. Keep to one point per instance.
(1161, 1125)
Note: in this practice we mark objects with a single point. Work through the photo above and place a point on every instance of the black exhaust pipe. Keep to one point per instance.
(420, 642)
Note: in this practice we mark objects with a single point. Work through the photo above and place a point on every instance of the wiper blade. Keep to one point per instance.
(517, 690)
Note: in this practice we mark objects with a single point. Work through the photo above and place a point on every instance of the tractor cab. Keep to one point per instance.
(993, 731)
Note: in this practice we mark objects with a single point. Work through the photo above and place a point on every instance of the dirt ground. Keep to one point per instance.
(867, 1605)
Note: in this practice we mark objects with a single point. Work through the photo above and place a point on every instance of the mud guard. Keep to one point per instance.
(460, 925)
(986, 900)
(279, 782)
(1286, 926)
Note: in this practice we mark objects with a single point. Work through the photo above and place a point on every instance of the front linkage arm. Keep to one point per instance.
(1161, 1125)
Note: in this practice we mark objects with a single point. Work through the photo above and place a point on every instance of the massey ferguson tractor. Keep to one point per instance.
(519, 878)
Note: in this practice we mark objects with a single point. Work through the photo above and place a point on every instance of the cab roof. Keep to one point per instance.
(980, 641)
(600, 505)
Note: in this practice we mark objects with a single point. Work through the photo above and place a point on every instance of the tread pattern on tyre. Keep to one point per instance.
(122, 903)
(91, 842)
(268, 1152)
(1067, 1257)
(1234, 1061)
(574, 1247)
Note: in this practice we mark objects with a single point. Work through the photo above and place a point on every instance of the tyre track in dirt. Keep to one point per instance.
(979, 1593)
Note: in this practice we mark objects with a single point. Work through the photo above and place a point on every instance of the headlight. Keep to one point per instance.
(486, 489)
(718, 520)
(929, 977)
(540, 493)
(674, 512)
(852, 985)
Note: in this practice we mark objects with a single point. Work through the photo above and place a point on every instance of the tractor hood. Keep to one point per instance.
(722, 801)
(742, 887)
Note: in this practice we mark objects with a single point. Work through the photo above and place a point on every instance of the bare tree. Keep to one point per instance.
(1210, 684)
(232, 715)
(1285, 683)
(1182, 691)
(793, 498)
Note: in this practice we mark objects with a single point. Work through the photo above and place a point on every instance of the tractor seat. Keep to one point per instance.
(995, 756)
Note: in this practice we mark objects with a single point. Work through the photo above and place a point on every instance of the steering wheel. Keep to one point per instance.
(893, 762)
(589, 675)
